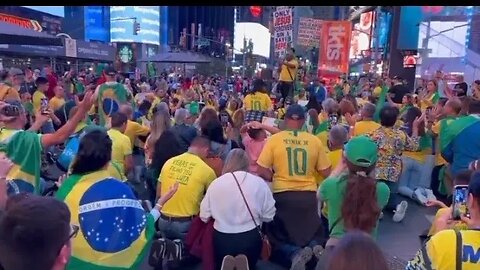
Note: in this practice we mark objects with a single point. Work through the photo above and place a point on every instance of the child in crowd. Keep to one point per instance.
(254, 137)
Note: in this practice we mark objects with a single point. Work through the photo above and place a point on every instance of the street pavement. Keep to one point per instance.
(399, 240)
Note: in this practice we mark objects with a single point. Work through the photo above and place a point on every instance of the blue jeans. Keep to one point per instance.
(415, 174)
(393, 201)
(173, 229)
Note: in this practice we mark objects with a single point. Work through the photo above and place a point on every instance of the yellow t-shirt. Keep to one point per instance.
(194, 176)
(134, 129)
(439, 160)
(116, 172)
(377, 91)
(365, 127)
(335, 157)
(295, 156)
(257, 102)
(121, 147)
(426, 102)
(440, 251)
(284, 75)
(8, 93)
(37, 100)
(55, 103)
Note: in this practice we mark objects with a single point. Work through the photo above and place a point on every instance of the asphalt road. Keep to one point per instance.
(397, 239)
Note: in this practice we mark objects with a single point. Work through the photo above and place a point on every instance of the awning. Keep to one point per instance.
(13, 34)
(177, 57)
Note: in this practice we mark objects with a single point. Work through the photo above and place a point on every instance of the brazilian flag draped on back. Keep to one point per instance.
(24, 149)
(321, 131)
(110, 96)
(380, 103)
(464, 128)
(114, 230)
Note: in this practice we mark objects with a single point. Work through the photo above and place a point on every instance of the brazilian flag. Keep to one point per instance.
(454, 128)
(380, 103)
(110, 97)
(322, 132)
(24, 149)
(115, 231)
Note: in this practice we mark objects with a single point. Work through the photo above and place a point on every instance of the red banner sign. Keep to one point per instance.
(334, 47)
(22, 22)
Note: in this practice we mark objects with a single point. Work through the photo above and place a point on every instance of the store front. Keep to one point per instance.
(77, 54)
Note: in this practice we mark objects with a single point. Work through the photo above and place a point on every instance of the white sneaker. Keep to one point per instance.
(419, 196)
(430, 195)
(400, 212)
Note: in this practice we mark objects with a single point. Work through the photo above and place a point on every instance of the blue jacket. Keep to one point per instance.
(319, 92)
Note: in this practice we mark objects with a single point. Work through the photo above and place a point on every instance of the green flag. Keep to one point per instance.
(380, 103)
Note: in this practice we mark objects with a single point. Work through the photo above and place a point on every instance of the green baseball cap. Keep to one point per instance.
(361, 151)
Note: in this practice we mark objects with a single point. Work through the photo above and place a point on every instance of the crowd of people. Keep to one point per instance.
(104, 172)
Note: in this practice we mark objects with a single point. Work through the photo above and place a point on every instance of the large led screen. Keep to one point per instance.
(121, 24)
(258, 33)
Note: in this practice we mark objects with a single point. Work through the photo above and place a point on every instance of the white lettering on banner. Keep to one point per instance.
(283, 26)
(334, 42)
(309, 32)
(93, 51)
(113, 203)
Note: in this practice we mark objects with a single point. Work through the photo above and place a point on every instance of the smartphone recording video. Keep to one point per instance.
(460, 195)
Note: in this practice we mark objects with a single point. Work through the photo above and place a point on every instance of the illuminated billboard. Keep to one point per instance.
(361, 35)
(258, 33)
(122, 20)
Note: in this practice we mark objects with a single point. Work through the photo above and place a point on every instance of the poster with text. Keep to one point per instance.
(334, 47)
(309, 32)
(283, 26)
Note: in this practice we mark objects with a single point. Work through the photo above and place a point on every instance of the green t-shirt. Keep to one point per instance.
(332, 192)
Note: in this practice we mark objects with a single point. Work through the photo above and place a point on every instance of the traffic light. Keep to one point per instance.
(136, 28)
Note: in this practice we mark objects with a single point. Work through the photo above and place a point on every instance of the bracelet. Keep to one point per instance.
(159, 206)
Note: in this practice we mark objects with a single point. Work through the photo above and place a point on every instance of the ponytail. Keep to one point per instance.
(360, 210)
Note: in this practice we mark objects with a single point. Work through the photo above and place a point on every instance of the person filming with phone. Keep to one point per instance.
(287, 72)
(450, 248)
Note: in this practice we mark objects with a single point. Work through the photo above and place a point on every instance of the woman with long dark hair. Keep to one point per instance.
(354, 198)
(97, 201)
(357, 250)
(417, 166)
(166, 147)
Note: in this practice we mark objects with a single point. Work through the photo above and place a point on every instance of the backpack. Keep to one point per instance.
(71, 148)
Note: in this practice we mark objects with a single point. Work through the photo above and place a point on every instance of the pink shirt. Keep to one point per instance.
(253, 149)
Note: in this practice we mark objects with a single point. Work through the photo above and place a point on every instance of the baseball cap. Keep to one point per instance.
(295, 112)
(110, 71)
(361, 151)
(15, 72)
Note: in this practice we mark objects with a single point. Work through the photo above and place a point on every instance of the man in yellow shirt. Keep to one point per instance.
(194, 176)
(9, 89)
(58, 100)
(366, 125)
(287, 73)
(121, 145)
(133, 129)
(296, 157)
(39, 98)
(454, 249)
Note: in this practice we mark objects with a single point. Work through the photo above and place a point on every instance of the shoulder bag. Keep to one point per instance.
(266, 247)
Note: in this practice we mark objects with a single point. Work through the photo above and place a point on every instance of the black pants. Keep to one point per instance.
(286, 89)
(248, 243)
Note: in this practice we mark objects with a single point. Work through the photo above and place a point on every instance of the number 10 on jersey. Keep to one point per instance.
(297, 161)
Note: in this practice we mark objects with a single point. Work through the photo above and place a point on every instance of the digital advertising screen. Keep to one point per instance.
(258, 33)
(97, 23)
(122, 21)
